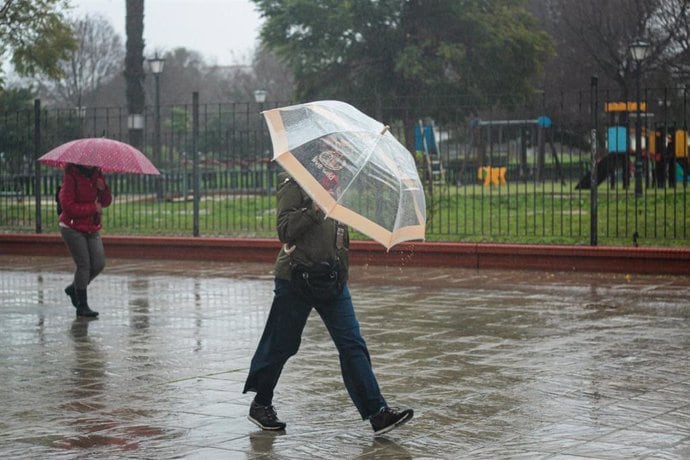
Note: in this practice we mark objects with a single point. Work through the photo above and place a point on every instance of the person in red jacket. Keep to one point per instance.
(83, 195)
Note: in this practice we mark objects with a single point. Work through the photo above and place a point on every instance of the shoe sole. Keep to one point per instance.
(400, 422)
(88, 315)
(271, 428)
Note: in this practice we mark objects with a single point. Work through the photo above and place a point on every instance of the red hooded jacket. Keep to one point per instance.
(78, 196)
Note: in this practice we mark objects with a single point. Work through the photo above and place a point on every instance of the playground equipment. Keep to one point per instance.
(481, 134)
(664, 151)
(492, 175)
(425, 142)
(668, 155)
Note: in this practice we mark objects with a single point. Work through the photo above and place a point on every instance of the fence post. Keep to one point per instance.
(195, 161)
(593, 210)
(37, 165)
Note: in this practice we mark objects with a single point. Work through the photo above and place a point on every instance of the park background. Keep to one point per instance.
(509, 125)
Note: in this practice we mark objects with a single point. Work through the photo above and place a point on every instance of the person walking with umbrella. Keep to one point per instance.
(82, 197)
(311, 271)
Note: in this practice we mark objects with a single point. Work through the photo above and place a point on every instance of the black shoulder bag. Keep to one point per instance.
(322, 282)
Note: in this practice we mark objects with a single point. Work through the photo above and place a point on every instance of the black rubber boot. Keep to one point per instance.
(83, 305)
(71, 292)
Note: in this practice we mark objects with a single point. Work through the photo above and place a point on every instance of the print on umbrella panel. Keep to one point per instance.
(359, 180)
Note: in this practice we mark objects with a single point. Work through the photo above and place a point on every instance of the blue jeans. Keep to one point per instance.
(282, 337)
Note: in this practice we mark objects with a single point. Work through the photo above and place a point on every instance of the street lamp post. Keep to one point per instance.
(638, 50)
(156, 64)
(81, 114)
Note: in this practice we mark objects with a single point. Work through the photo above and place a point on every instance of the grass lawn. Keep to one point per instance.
(547, 213)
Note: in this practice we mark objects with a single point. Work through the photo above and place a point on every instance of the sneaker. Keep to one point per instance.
(388, 419)
(265, 417)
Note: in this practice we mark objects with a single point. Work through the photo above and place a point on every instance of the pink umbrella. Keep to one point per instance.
(108, 154)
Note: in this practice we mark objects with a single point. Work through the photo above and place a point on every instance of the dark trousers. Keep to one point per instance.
(282, 337)
(88, 254)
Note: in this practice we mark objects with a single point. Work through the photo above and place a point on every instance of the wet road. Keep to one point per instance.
(496, 364)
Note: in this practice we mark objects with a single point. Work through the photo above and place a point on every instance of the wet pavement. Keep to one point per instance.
(496, 364)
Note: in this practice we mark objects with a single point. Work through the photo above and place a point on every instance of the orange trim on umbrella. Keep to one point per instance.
(277, 131)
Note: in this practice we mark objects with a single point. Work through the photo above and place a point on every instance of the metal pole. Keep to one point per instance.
(157, 143)
(593, 209)
(37, 169)
(638, 138)
(195, 163)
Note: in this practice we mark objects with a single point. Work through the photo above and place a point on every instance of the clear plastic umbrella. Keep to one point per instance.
(352, 167)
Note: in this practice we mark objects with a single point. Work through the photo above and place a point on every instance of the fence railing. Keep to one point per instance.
(521, 176)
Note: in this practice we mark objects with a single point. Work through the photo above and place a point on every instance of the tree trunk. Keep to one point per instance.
(408, 128)
(134, 70)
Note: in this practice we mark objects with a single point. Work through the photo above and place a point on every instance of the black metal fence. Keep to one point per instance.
(505, 176)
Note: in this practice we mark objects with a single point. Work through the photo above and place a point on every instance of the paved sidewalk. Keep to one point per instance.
(496, 364)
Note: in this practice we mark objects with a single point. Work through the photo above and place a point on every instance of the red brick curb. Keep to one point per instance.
(657, 260)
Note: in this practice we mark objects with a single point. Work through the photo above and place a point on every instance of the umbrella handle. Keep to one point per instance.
(288, 249)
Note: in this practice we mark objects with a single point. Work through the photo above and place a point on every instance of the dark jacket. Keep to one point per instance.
(300, 224)
(78, 196)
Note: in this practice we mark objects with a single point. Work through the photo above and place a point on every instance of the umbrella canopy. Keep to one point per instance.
(352, 167)
(108, 154)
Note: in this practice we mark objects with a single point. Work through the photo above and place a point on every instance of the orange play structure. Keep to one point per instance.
(492, 175)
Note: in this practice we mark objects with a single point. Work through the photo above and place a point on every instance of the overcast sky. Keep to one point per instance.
(223, 31)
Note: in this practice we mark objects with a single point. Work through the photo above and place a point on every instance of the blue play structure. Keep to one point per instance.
(617, 139)
(425, 142)
(424, 138)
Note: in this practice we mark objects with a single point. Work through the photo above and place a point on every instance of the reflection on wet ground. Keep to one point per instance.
(496, 364)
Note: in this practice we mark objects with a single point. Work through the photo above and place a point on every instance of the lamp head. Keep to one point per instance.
(639, 50)
(156, 64)
(260, 96)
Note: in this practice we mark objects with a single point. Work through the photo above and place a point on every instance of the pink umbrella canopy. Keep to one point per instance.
(108, 154)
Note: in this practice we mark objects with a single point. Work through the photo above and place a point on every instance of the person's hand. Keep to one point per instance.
(100, 184)
(99, 208)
